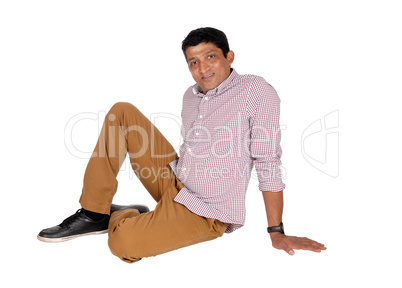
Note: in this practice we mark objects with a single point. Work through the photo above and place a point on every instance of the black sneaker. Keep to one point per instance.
(80, 224)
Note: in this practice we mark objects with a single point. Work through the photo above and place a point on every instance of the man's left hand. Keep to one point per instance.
(288, 243)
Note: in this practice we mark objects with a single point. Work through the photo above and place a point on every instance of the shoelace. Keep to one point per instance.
(71, 218)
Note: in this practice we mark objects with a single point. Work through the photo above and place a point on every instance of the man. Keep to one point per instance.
(230, 124)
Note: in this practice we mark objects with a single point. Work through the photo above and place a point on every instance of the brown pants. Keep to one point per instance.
(171, 225)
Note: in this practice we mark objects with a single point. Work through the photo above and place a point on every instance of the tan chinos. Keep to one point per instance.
(171, 225)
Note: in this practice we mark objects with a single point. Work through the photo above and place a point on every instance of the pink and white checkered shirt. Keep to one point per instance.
(225, 133)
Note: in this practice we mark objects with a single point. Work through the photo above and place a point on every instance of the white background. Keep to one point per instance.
(59, 59)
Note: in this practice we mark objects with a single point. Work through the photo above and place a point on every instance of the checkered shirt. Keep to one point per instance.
(226, 133)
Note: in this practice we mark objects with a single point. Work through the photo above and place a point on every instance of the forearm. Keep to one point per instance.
(274, 207)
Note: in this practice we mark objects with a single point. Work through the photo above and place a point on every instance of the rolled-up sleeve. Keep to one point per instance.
(265, 135)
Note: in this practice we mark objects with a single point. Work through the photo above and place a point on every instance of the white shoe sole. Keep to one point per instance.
(63, 239)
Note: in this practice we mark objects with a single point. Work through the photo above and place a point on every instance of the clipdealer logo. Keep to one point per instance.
(320, 144)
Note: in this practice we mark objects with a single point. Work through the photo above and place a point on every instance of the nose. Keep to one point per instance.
(204, 66)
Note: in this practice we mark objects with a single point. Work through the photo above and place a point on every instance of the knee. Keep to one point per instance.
(121, 108)
(122, 248)
(122, 235)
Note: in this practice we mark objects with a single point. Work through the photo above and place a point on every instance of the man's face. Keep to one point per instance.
(208, 65)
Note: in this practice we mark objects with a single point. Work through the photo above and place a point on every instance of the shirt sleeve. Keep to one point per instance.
(265, 135)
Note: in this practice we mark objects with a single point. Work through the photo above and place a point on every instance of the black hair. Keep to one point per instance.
(206, 35)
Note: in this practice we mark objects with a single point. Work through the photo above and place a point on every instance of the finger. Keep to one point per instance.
(312, 246)
(289, 250)
(306, 244)
(317, 244)
(305, 239)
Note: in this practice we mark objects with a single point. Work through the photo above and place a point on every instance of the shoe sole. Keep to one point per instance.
(63, 239)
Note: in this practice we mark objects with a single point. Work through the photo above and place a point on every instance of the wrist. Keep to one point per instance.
(275, 235)
(274, 229)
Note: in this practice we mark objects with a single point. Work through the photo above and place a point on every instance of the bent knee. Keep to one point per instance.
(122, 107)
(122, 110)
(122, 248)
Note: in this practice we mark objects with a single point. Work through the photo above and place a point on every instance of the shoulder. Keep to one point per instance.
(257, 85)
(260, 89)
(189, 94)
(260, 85)
(190, 90)
(245, 79)
(261, 95)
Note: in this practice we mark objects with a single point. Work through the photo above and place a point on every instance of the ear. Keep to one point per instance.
(230, 57)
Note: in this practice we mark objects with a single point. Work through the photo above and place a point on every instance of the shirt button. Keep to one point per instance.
(196, 133)
(200, 116)
(206, 98)
(184, 169)
(189, 149)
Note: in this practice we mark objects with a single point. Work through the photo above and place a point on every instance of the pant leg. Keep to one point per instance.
(126, 129)
(170, 226)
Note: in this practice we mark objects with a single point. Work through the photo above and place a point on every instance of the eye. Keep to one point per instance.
(193, 63)
(211, 56)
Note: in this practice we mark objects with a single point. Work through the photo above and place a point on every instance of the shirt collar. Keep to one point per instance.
(218, 90)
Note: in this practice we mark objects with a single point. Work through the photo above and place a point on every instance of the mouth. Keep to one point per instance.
(208, 77)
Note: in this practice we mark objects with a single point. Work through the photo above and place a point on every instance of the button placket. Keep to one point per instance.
(201, 109)
(203, 106)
